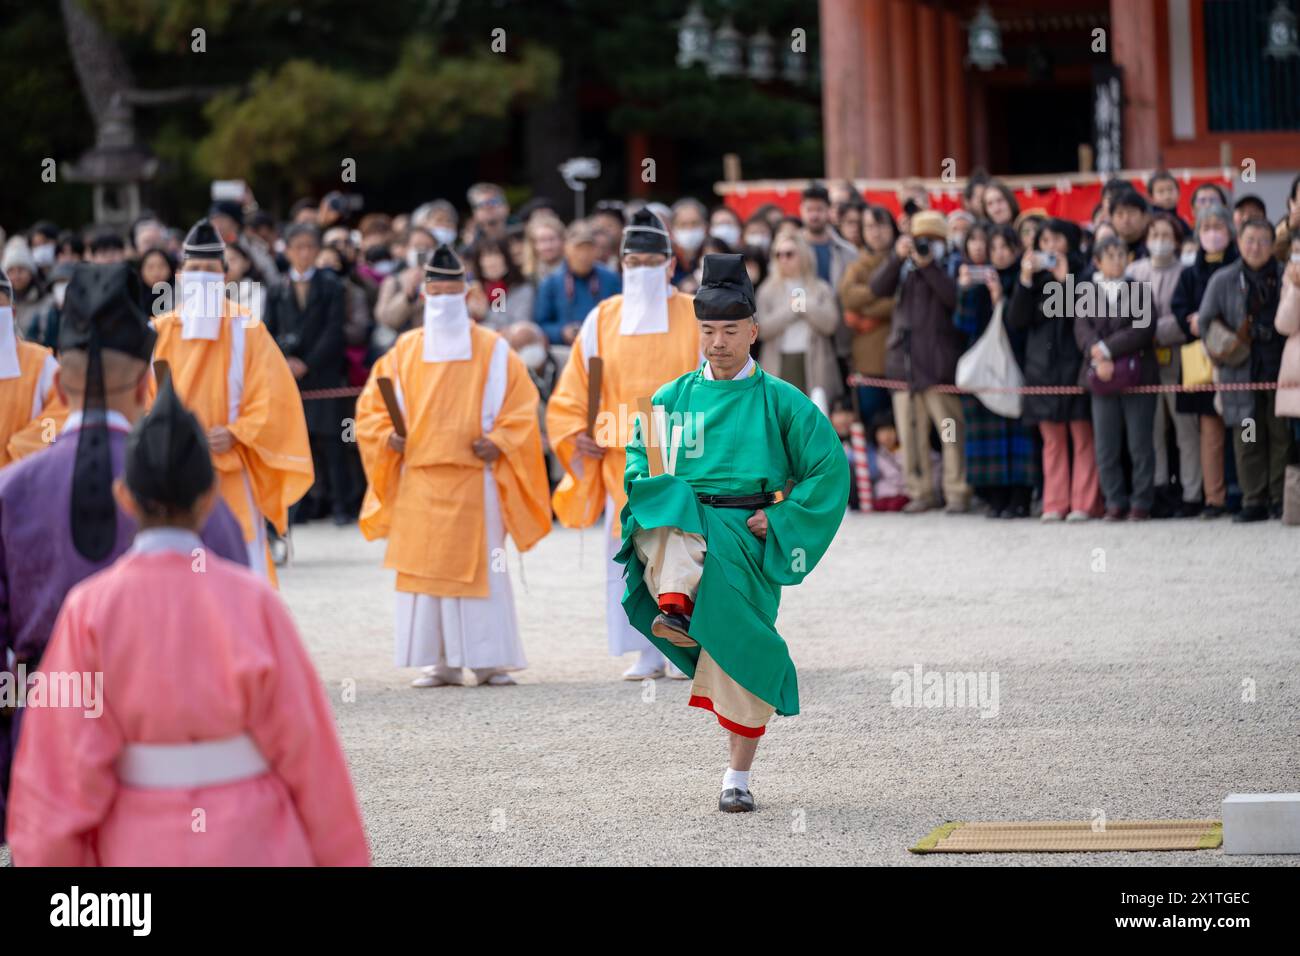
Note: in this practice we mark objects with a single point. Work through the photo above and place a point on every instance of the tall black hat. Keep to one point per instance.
(725, 291)
(167, 459)
(203, 242)
(443, 266)
(646, 233)
(103, 309)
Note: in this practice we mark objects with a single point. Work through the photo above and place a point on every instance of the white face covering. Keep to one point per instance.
(1295, 258)
(1162, 250)
(202, 297)
(1188, 258)
(446, 328)
(533, 355)
(728, 232)
(689, 239)
(759, 240)
(9, 367)
(444, 234)
(43, 255)
(645, 301)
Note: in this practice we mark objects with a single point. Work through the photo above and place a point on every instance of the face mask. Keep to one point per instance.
(1162, 250)
(444, 235)
(60, 291)
(1295, 258)
(1214, 242)
(44, 255)
(415, 258)
(727, 232)
(202, 296)
(689, 239)
(759, 240)
(446, 328)
(1188, 258)
(533, 355)
(645, 300)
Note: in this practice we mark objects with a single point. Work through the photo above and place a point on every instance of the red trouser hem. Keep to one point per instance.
(735, 728)
(674, 602)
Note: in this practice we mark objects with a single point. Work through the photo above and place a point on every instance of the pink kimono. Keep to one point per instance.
(189, 655)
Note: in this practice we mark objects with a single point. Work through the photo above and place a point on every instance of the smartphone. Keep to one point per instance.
(980, 274)
(1045, 260)
(223, 189)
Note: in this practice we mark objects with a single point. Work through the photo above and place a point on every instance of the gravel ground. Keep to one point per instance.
(1119, 691)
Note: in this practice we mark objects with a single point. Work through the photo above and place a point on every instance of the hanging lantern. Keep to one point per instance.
(762, 56)
(692, 38)
(728, 49)
(985, 41)
(1282, 33)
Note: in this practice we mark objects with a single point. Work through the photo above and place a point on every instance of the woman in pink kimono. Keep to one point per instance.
(183, 723)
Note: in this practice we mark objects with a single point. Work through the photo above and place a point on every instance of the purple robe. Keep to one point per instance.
(39, 565)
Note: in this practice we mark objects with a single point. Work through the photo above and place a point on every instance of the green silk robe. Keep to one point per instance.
(739, 437)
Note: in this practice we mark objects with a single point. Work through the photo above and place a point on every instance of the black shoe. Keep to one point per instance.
(342, 519)
(1210, 512)
(674, 628)
(1275, 511)
(994, 513)
(1016, 511)
(736, 801)
(1189, 509)
(1251, 513)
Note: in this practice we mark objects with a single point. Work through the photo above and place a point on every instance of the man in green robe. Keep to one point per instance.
(755, 484)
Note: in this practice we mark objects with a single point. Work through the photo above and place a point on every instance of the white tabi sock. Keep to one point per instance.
(735, 780)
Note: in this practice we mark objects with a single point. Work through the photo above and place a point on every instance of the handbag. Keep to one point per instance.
(991, 363)
(1128, 373)
(1197, 369)
(1225, 346)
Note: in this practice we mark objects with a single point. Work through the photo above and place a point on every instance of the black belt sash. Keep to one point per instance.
(741, 501)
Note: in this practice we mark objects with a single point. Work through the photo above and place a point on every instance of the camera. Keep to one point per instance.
(921, 248)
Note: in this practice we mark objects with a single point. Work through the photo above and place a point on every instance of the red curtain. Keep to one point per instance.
(1075, 203)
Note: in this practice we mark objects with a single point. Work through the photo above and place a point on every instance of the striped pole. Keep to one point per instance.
(861, 470)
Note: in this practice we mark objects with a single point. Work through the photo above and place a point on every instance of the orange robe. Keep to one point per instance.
(270, 466)
(429, 502)
(23, 400)
(634, 367)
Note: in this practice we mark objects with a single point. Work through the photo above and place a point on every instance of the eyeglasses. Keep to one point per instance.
(786, 254)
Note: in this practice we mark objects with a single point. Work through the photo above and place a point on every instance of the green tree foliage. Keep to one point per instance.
(297, 123)
(410, 89)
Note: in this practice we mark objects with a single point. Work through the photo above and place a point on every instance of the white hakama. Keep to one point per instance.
(455, 632)
(623, 637)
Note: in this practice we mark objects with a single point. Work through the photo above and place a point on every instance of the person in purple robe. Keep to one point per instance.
(59, 523)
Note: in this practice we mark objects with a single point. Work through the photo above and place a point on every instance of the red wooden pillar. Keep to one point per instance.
(878, 89)
(1134, 41)
(906, 93)
(954, 96)
(929, 70)
(843, 118)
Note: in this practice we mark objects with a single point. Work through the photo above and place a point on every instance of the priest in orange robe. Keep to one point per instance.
(26, 380)
(644, 337)
(231, 374)
(452, 469)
